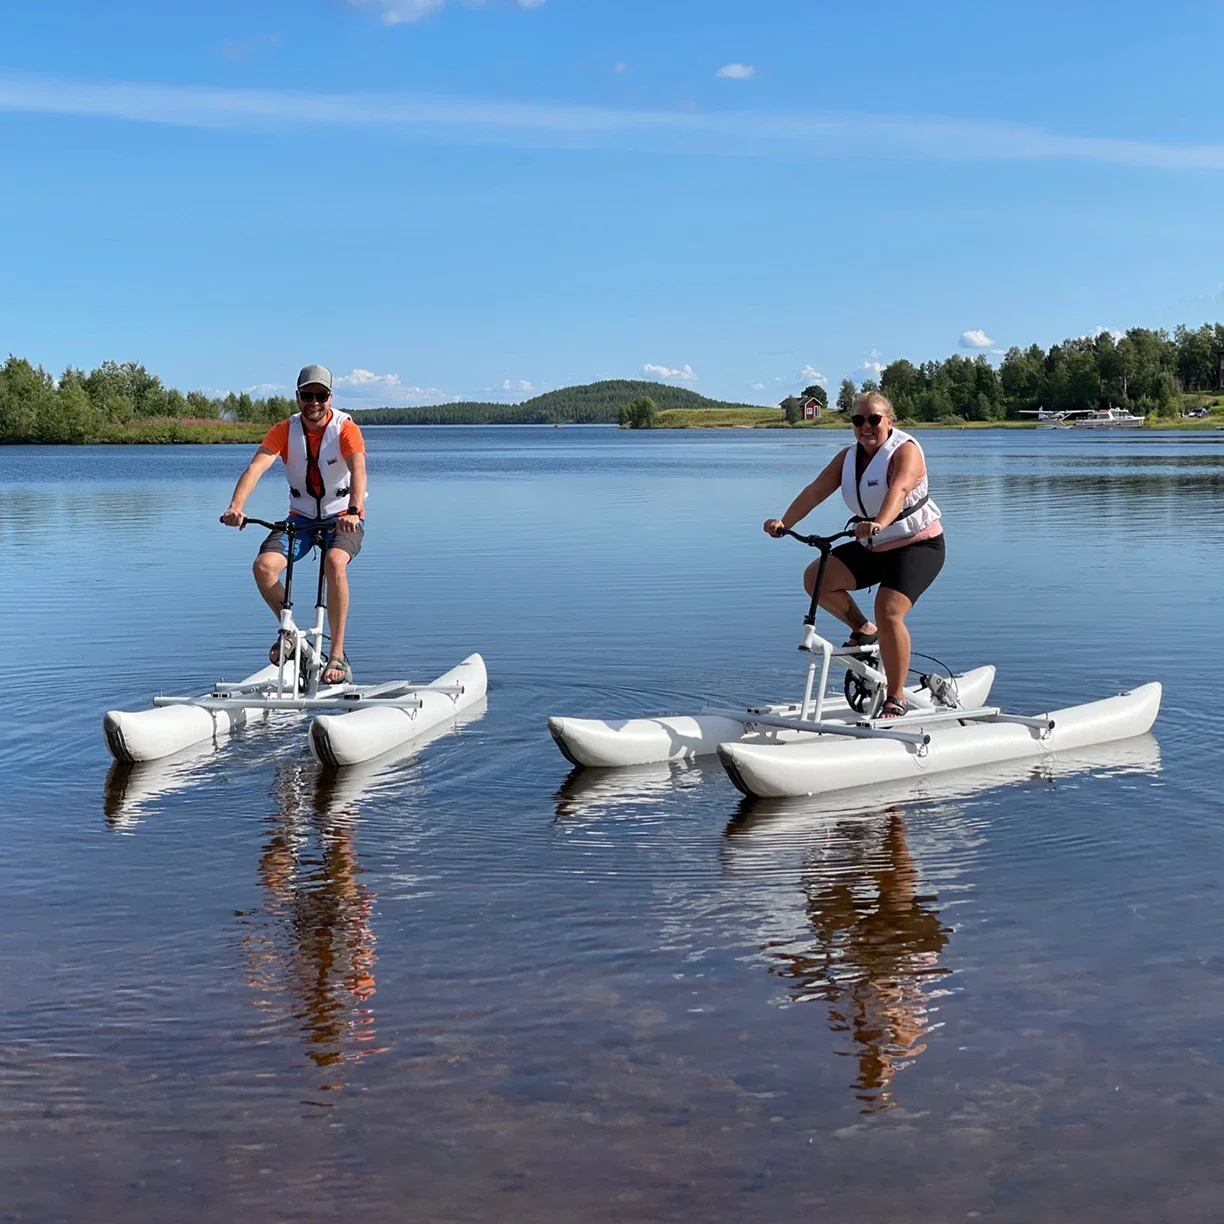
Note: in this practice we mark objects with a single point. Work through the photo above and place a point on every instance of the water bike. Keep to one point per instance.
(827, 742)
(354, 723)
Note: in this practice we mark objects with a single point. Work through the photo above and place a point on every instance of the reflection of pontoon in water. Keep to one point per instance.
(865, 936)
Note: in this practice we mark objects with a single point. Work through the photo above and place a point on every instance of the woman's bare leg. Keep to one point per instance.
(835, 594)
(891, 608)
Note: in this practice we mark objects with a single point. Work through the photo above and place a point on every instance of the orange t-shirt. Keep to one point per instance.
(351, 441)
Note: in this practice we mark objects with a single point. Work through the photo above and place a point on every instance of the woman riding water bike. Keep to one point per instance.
(898, 542)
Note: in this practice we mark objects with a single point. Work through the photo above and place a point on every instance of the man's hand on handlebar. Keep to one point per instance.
(234, 518)
(775, 528)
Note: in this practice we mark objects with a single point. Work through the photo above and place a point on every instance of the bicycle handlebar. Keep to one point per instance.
(291, 526)
(824, 543)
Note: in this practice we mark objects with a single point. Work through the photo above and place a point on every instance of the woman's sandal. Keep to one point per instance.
(337, 667)
(274, 655)
(893, 707)
(858, 638)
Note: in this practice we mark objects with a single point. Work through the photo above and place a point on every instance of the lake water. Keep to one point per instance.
(467, 985)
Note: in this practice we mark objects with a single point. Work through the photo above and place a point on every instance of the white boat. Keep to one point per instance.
(373, 719)
(1086, 418)
(1107, 418)
(600, 743)
(824, 763)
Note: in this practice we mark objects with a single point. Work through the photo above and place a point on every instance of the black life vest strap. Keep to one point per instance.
(908, 512)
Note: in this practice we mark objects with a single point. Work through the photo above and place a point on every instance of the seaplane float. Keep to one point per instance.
(829, 742)
(353, 722)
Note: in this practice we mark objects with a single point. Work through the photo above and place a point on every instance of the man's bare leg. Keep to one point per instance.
(336, 567)
(891, 608)
(835, 596)
(268, 568)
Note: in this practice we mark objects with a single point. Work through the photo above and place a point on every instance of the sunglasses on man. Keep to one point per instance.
(858, 421)
(314, 397)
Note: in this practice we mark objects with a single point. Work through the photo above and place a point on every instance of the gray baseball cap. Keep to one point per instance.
(315, 374)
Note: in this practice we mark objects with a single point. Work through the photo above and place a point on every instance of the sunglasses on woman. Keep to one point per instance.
(314, 397)
(858, 421)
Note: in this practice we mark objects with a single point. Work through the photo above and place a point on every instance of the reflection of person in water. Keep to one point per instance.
(315, 938)
(877, 943)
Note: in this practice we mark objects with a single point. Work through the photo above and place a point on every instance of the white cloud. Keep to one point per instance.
(684, 374)
(818, 134)
(876, 368)
(243, 47)
(975, 338)
(757, 386)
(520, 385)
(396, 12)
(387, 389)
(263, 390)
(810, 374)
(736, 72)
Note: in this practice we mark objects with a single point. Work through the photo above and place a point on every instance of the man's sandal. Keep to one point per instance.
(893, 707)
(339, 671)
(858, 638)
(274, 655)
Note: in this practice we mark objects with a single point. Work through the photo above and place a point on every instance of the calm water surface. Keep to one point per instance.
(468, 985)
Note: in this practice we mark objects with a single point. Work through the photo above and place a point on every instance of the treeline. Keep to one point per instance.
(474, 413)
(81, 407)
(597, 403)
(1143, 372)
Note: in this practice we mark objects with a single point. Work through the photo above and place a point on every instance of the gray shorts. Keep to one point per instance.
(304, 541)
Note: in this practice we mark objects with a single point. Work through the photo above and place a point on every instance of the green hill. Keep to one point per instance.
(591, 404)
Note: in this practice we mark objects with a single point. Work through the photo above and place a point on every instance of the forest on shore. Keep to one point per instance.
(1148, 372)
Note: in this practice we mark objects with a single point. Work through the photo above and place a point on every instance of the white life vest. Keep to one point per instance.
(865, 497)
(332, 468)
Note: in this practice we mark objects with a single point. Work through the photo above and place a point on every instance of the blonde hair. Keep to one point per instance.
(876, 401)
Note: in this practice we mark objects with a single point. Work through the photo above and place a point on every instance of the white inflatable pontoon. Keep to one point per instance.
(822, 763)
(599, 743)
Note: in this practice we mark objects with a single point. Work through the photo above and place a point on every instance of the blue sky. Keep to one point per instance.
(444, 200)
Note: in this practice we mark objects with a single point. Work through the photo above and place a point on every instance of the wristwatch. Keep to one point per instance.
(353, 510)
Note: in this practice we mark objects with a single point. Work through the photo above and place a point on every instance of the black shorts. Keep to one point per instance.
(909, 570)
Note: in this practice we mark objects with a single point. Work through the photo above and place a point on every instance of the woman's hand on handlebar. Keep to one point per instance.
(775, 528)
(864, 531)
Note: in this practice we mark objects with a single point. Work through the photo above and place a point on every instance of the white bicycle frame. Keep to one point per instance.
(853, 658)
(307, 644)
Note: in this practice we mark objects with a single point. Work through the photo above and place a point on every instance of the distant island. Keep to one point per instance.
(598, 403)
(1161, 377)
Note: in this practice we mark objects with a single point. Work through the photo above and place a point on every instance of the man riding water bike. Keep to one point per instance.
(324, 457)
(898, 540)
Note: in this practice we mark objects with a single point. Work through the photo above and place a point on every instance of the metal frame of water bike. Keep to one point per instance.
(307, 644)
(298, 688)
(858, 661)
